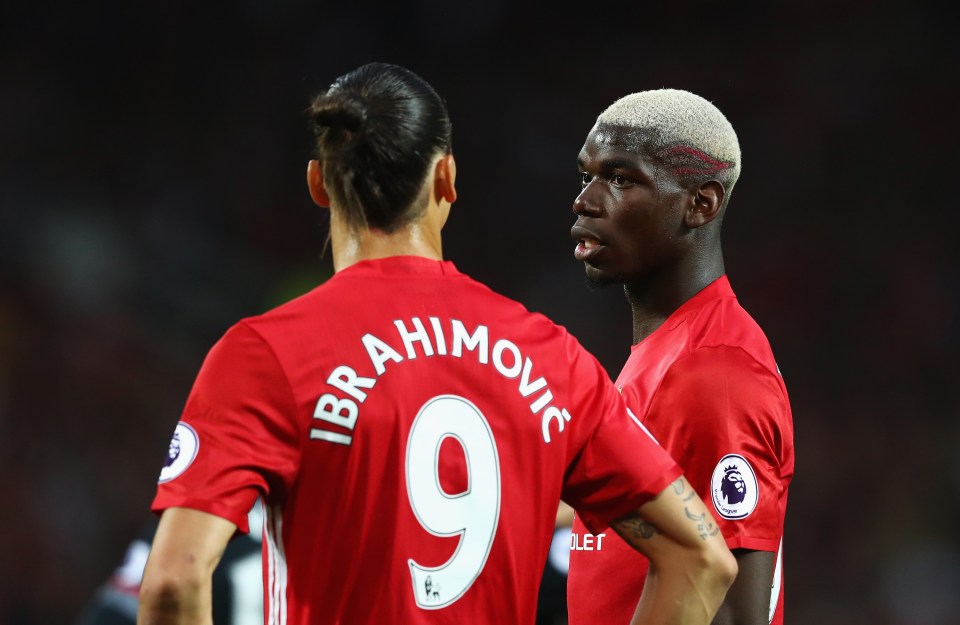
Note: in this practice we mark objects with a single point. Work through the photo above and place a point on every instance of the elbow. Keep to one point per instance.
(723, 564)
(162, 596)
(714, 566)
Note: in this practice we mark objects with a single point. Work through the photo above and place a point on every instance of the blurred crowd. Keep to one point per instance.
(152, 192)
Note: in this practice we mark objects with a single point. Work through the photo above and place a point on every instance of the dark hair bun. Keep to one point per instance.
(378, 129)
(340, 110)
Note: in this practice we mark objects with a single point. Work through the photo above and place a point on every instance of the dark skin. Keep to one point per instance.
(639, 226)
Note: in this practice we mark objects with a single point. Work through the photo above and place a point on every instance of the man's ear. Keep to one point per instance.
(315, 183)
(445, 178)
(707, 200)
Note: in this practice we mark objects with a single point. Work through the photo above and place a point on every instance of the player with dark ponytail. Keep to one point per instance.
(378, 130)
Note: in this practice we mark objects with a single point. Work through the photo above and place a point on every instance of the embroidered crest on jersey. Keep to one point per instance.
(183, 449)
(734, 487)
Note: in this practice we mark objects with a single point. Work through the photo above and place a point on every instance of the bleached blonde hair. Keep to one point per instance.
(685, 132)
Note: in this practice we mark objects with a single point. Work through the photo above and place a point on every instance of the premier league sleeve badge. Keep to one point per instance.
(181, 453)
(734, 487)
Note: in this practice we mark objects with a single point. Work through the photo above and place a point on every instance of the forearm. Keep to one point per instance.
(691, 568)
(178, 577)
(681, 597)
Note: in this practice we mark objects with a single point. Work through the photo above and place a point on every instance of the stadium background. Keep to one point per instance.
(151, 193)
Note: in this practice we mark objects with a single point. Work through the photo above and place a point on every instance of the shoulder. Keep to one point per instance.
(534, 324)
(712, 367)
(726, 362)
(241, 362)
(726, 327)
(243, 337)
(723, 384)
(721, 394)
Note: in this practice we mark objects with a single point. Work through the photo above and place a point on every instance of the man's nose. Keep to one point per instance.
(584, 203)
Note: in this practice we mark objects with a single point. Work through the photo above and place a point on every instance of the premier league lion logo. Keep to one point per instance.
(173, 452)
(181, 452)
(733, 487)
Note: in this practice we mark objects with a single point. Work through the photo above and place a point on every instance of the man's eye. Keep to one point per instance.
(585, 178)
(618, 180)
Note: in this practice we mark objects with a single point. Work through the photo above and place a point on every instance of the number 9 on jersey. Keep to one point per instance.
(472, 515)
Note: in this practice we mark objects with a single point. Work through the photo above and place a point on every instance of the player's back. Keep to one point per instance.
(434, 422)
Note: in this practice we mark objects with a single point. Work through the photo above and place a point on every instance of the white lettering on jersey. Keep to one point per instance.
(513, 370)
(340, 410)
(507, 359)
(586, 542)
(560, 416)
(528, 388)
(477, 341)
(379, 352)
(347, 380)
(438, 336)
(336, 410)
(419, 335)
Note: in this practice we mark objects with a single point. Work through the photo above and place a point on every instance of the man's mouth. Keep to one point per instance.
(586, 248)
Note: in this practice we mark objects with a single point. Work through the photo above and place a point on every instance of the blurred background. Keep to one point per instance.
(152, 160)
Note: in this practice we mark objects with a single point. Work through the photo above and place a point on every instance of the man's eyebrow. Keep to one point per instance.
(618, 163)
(613, 162)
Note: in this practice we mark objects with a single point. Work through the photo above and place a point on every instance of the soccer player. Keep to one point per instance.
(657, 170)
(410, 431)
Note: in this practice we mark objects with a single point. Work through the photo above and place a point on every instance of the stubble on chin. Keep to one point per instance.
(598, 281)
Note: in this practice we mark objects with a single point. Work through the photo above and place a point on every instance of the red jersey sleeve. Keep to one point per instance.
(724, 411)
(619, 466)
(237, 436)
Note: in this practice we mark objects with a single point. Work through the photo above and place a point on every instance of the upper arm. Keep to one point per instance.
(240, 421)
(718, 400)
(723, 415)
(674, 524)
(726, 414)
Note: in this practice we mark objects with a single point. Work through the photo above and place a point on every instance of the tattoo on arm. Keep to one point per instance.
(633, 527)
(705, 526)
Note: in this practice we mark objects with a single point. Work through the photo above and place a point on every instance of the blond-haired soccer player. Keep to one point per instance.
(657, 170)
(410, 431)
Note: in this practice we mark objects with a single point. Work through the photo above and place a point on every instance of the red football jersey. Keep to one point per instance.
(706, 385)
(411, 433)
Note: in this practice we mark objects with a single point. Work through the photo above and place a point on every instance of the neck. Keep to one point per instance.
(654, 298)
(352, 246)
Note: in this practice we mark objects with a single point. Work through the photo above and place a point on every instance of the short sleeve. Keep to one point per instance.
(720, 413)
(237, 437)
(619, 466)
